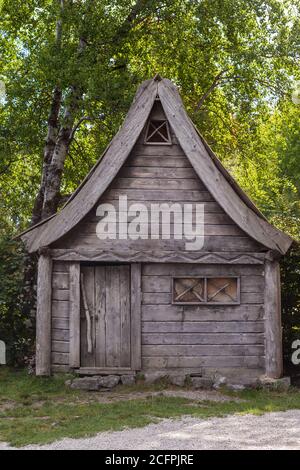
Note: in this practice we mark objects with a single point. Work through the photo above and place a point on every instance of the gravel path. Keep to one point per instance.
(270, 431)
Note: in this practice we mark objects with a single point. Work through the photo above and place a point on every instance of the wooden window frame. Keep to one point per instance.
(237, 302)
(169, 142)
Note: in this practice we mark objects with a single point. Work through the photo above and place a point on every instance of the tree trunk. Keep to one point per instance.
(55, 170)
(48, 154)
(56, 149)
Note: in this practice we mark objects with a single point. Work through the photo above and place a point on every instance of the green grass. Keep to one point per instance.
(40, 410)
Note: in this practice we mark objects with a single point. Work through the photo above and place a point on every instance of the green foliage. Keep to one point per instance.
(234, 61)
(290, 276)
(14, 329)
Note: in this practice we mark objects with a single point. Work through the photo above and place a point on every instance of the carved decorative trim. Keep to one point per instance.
(158, 256)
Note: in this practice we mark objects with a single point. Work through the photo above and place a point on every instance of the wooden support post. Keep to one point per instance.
(273, 331)
(136, 329)
(74, 357)
(43, 316)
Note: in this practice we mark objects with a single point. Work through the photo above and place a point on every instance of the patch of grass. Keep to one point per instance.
(43, 410)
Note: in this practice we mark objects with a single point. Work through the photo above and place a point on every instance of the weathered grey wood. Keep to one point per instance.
(43, 316)
(157, 173)
(205, 338)
(60, 294)
(209, 219)
(166, 162)
(157, 298)
(156, 284)
(86, 254)
(249, 288)
(236, 243)
(158, 150)
(203, 327)
(163, 183)
(136, 302)
(104, 371)
(60, 280)
(165, 298)
(273, 331)
(252, 283)
(88, 316)
(252, 297)
(60, 369)
(252, 288)
(217, 243)
(169, 269)
(60, 346)
(60, 266)
(74, 302)
(202, 361)
(60, 323)
(60, 358)
(60, 335)
(214, 178)
(60, 308)
(100, 347)
(89, 229)
(125, 314)
(206, 350)
(108, 294)
(87, 359)
(113, 333)
(180, 313)
(163, 195)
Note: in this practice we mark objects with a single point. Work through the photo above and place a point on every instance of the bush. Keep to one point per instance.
(15, 329)
(290, 277)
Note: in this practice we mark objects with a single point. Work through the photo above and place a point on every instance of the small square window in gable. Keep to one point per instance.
(158, 132)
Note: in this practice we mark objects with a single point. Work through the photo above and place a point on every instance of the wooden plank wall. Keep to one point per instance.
(60, 316)
(181, 336)
(161, 174)
(195, 338)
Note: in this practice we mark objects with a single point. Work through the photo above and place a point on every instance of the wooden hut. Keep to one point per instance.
(115, 304)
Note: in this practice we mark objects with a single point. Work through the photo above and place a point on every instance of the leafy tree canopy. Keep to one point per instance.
(235, 62)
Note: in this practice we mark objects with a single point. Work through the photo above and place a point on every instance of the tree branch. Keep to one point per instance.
(215, 84)
(81, 120)
(220, 79)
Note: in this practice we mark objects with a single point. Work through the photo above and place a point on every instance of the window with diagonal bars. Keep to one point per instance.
(206, 290)
(158, 132)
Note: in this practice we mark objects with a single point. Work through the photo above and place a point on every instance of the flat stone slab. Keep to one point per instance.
(95, 383)
(178, 380)
(275, 384)
(109, 381)
(86, 383)
(127, 379)
(201, 382)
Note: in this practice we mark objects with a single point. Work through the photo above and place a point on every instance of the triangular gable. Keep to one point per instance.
(209, 169)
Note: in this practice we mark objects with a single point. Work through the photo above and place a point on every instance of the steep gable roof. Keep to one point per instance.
(207, 166)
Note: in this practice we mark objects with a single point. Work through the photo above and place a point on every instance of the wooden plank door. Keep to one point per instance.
(105, 303)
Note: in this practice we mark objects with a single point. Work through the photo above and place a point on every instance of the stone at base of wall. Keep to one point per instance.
(281, 384)
(178, 380)
(201, 382)
(96, 383)
(197, 381)
(220, 377)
